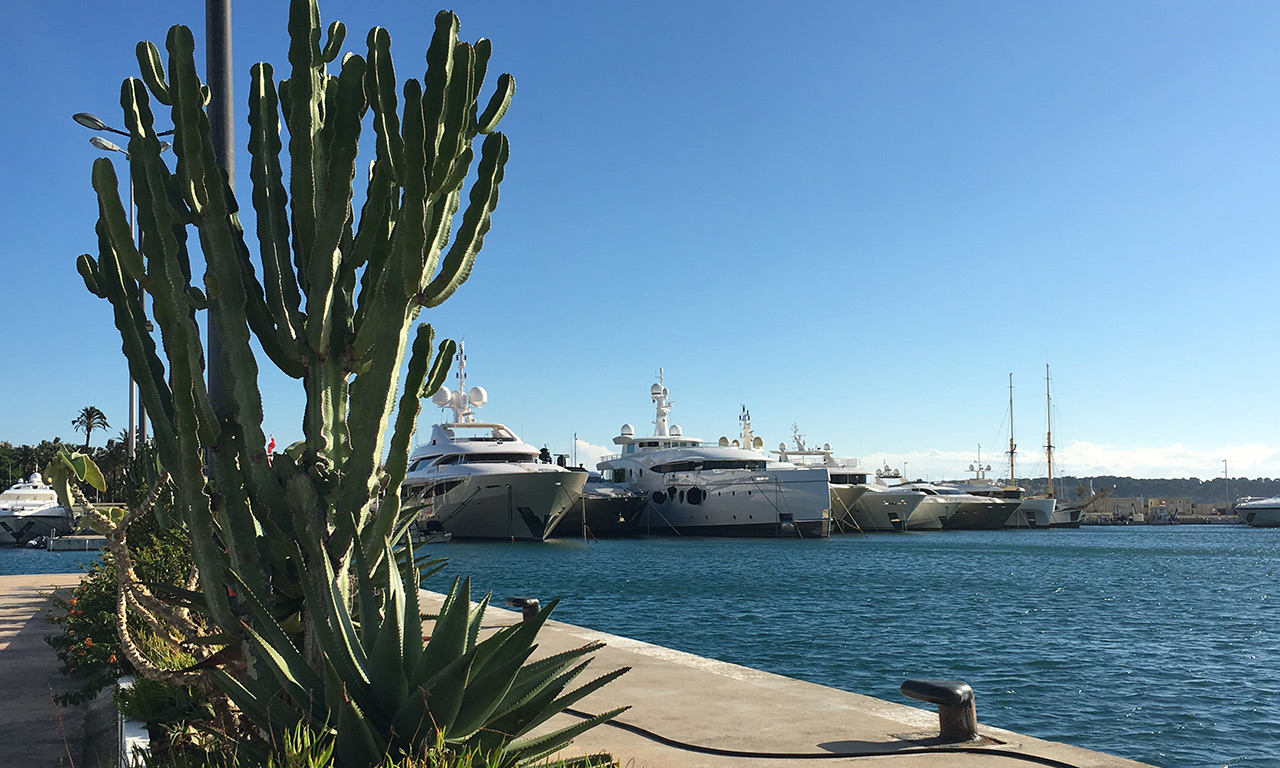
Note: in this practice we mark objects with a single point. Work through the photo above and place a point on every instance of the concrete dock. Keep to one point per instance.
(38, 732)
(686, 711)
(714, 706)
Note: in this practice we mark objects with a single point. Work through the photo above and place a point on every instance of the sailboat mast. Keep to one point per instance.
(1048, 429)
(1011, 445)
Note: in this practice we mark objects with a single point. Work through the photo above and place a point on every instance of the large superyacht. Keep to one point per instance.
(721, 490)
(478, 480)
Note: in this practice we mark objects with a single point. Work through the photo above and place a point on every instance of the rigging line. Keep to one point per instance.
(665, 520)
(461, 507)
(721, 752)
(852, 519)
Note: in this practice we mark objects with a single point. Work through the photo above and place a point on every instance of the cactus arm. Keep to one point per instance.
(380, 87)
(475, 223)
(270, 201)
(333, 43)
(453, 136)
(88, 269)
(498, 104)
(152, 70)
(336, 207)
(370, 246)
(303, 115)
(435, 83)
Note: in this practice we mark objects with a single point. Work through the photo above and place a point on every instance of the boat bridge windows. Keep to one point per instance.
(698, 465)
(470, 458)
(851, 479)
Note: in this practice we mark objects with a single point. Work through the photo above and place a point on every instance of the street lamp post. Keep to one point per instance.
(137, 416)
(1226, 481)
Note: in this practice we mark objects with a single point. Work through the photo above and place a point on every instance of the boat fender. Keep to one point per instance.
(957, 713)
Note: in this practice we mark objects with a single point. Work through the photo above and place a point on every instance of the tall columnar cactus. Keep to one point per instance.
(296, 561)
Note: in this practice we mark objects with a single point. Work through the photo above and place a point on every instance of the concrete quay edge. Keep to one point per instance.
(678, 695)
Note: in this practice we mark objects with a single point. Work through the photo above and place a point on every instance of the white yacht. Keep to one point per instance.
(936, 508)
(848, 478)
(722, 490)
(973, 512)
(1023, 513)
(31, 509)
(1260, 513)
(478, 480)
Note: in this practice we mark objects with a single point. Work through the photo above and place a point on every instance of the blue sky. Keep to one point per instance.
(854, 217)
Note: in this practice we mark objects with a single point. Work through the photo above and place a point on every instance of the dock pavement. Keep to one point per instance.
(686, 711)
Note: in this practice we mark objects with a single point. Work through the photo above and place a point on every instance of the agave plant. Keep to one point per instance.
(300, 564)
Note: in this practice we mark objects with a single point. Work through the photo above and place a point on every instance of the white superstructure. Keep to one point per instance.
(478, 480)
(30, 509)
(730, 489)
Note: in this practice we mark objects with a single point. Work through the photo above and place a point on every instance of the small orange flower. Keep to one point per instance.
(88, 642)
(111, 659)
(73, 600)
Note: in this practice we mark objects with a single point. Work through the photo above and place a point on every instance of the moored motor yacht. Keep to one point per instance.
(478, 480)
(1260, 513)
(604, 511)
(29, 510)
(848, 479)
(721, 490)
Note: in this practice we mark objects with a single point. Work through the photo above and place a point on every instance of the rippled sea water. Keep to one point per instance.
(1158, 644)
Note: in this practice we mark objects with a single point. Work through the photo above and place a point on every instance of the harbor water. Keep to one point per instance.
(1158, 644)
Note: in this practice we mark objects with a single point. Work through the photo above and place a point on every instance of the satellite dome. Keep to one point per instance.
(782, 447)
(458, 400)
(757, 443)
(655, 390)
(478, 396)
(441, 397)
(627, 430)
(826, 447)
(675, 430)
(724, 442)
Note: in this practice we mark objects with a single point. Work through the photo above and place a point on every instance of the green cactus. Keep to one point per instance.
(299, 561)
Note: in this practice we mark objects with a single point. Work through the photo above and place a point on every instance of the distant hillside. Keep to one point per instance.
(1200, 491)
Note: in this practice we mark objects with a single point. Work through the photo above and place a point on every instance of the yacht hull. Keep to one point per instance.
(1261, 516)
(767, 503)
(17, 530)
(984, 515)
(843, 499)
(1032, 513)
(608, 516)
(515, 506)
(932, 513)
(885, 510)
(1067, 517)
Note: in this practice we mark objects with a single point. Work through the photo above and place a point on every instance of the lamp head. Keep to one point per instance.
(89, 121)
(105, 145)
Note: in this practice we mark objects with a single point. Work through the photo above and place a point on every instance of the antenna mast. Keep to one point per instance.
(1012, 447)
(1048, 429)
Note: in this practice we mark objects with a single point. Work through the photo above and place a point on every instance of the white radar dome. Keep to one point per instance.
(478, 396)
(782, 447)
(655, 390)
(441, 397)
(757, 443)
(458, 400)
(826, 447)
(627, 430)
(675, 430)
(724, 442)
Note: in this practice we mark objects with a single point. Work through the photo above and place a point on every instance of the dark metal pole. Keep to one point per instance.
(217, 16)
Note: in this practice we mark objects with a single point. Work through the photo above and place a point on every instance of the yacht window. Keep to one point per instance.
(497, 458)
(631, 447)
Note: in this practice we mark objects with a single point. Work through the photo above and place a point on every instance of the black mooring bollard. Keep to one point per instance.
(957, 713)
(528, 606)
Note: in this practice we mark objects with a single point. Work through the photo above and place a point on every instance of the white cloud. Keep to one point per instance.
(1084, 459)
(589, 455)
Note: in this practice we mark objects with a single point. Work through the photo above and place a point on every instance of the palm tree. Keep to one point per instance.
(90, 418)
